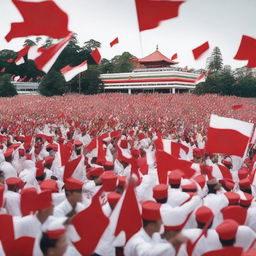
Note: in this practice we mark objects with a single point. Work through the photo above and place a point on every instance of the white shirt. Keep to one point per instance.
(12, 203)
(141, 244)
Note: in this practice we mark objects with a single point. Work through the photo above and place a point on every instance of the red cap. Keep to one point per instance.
(28, 156)
(204, 215)
(200, 180)
(48, 159)
(109, 180)
(243, 173)
(49, 184)
(124, 144)
(55, 147)
(246, 200)
(55, 234)
(122, 181)
(197, 152)
(73, 184)
(227, 183)
(109, 165)
(141, 136)
(233, 198)
(189, 188)
(15, 145)
(135, 153)
(226, 162)
(21, 151)
(95, 172)
(113, 198)
(160, 191)
(44, 200)
(227, 229)
(78, 143)
(39, 171)
(151, 211)
(174, 178)
(251, 252)
(13, 181)
(245, 183)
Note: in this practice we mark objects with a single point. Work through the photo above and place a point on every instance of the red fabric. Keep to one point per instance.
(92, 145)
(174, 56)
(40, 18)
(115, 41)
(225, 141)
(166, 162)
(143, 165)
(151, 210)
(160, 191)
(65, 154)
(156, 57)
(90, 224)
(27, 201)
(2, 187)
(96, 55)
(22, 53)
(246, 51)
(48, 54)
(200, 50)
(235, 107)
(151, 12)
(129, 214)
(234, 251)
(109, 181)
(226, 174)
(2, 70)
(235, 212)
(70, 167)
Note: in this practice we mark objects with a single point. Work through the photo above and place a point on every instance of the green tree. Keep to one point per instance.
(245, 86)
(7, 89)
(91, 45)
(53, 84)
(215, 62)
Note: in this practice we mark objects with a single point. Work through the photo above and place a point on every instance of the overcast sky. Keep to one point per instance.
(221, 22)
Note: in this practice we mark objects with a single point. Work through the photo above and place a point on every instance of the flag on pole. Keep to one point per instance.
(228, 136)
(174, 56)
(70, 72)
(115, 41)
(3, 70)
(246, 51)
(200, 79)
(151, 12)
(44, 58)
(96, 55)
(200, 50)
(39, 18)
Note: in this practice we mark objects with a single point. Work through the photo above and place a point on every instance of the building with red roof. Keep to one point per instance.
(153, 73)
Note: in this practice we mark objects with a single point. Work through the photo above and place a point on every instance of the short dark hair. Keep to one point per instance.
(41, 178)
(162, 201)
(147, 222)
(227, 242)
(211, 188)
(246, 190)
(202, 225)
(67, 192)
(174, 185)
(46, 243)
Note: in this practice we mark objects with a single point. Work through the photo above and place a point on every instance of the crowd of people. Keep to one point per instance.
(72, 166)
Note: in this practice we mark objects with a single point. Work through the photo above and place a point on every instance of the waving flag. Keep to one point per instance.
(174, 56)
(228, 136)
(246, 51)
(200, 50)
(70, 72)
(115, 41)
(96, 55)
(200, 78)
(151, 12)
(21, 54)
(44, 58)
(40, 18)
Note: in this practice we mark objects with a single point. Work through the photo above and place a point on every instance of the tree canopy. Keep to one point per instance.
(7, 89)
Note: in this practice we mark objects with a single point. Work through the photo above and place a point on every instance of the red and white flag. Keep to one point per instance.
(44, 58)
(151, 12)
(228, 136)
(200, 78)
(96, 55)
(70, 72)
(39, 18)
(173, 148)
(115, 41)
(200, 50)
(2, 70)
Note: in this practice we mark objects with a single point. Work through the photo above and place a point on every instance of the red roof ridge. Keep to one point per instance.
(156, 56)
